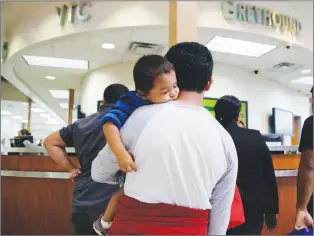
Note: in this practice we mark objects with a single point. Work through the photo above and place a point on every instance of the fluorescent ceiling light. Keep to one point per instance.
(238, 47)
(304, 80)
(45, 115)
(52, 122)
(65, 105)
(306, 71)
(37, 110)
(16, 117)
(108, 46)
(24, 121)
(5, 112)
(56, 62)
(50, 77)
(60, 93)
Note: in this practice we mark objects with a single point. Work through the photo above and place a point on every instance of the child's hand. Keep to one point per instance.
(126, 162)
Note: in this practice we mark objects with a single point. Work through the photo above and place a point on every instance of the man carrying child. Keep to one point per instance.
(183, 176)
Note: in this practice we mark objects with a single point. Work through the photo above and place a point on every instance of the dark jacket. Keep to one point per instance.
(256, 177)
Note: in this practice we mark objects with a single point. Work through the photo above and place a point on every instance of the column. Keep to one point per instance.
(70, 107)
(182, 21)
(29, 115)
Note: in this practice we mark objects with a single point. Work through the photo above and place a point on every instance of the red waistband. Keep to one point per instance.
(135, 217)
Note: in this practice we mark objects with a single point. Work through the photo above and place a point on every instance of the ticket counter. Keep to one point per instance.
(36, 193)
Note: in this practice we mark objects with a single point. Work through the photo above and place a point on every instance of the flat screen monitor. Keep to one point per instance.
(283, 122)
(19, 141)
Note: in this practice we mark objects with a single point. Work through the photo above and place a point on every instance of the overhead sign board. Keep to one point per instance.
(73, 12)
(260, 15)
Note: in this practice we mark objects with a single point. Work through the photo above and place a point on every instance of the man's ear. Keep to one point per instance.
(209, 84)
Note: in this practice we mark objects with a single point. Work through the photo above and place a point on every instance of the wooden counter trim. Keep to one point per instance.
(286, 162)
(32, 163)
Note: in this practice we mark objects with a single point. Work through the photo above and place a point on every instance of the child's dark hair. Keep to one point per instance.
(147, 68)
(227, 109)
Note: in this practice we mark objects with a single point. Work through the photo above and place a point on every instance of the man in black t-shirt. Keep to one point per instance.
(305, 177)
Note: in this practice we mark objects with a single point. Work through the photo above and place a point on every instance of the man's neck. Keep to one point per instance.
(192, 98)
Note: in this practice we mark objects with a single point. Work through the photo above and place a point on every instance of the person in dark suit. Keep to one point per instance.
(256, 176)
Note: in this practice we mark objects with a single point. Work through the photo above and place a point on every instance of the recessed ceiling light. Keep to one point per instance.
(16, 117)
(24, 121)
(238, 47)
(52, 122)
(56, 62)
(306, 71)
(37, 110)
(45, 115)
(50, 77)
(60, 93)
(108, 46)
(304, 80)
(5, 112)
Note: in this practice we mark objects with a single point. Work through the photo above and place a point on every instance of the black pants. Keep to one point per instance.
(253, 225)
(81, 224)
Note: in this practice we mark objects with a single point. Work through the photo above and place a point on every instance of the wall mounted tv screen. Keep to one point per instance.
(283, 122)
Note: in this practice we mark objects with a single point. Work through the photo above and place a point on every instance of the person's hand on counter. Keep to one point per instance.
(303, 220)
(74, 173)
(271, 221)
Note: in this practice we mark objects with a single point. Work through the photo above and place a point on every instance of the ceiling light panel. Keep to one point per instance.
(37, 110)
(304, 80)
(306, 71)
(16, 117)
(108, 46)
(50, 77)
(239, 47)
(64, 94)
(5, 112)
(45, 115)
(56, 62)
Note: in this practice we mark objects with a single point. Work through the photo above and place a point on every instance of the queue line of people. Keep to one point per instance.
(181, 163)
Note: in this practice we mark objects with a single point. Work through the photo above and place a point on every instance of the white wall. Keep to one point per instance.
(261, 93)
(9, 127)
(94, 84)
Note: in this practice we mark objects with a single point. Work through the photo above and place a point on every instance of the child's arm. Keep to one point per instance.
(124, 159)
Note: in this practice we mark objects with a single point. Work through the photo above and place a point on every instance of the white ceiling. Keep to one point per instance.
(87, 46)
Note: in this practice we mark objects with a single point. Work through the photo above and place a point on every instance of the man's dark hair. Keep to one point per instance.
(147, 68)
(113, 92)
(193, 64)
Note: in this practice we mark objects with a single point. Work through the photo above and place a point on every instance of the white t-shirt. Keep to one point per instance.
(183, 156)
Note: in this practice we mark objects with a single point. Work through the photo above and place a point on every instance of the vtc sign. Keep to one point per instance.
(73, 12)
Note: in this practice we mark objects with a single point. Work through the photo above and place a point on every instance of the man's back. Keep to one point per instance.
(184, 157)
(87, 137)
(187, 148)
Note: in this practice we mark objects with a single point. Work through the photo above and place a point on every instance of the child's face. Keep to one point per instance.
(165, 88)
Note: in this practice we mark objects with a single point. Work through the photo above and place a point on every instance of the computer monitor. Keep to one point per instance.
(19, 140)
